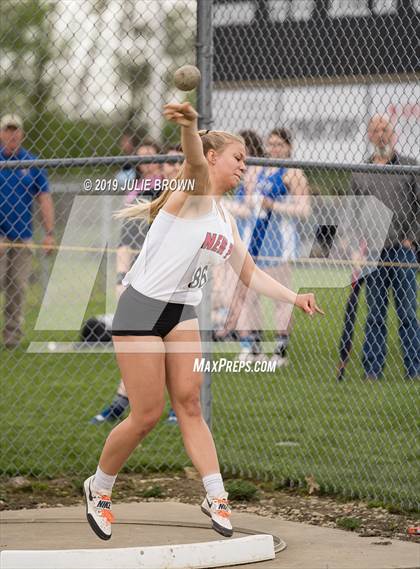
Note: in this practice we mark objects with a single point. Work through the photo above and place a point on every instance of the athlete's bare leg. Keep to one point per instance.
(184, 389)
(143, 373)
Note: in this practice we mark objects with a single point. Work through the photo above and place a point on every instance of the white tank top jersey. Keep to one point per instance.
(173, 265)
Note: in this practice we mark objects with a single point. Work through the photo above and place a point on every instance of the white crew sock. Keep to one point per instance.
(103, 483)
(213, 484)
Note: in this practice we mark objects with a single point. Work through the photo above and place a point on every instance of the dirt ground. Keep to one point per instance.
(297, 505)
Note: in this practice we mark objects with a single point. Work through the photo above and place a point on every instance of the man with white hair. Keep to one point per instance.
(18, 187)
(400, 193)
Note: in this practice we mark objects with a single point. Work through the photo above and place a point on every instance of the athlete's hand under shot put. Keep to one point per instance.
(182, 114)
(190, 232)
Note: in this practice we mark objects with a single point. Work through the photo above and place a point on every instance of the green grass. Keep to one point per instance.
(241, 490)
(153, 492)
(356, 439)
(328, 182)
(349, 524)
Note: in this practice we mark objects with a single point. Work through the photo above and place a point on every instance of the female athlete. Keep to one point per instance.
(190, 232)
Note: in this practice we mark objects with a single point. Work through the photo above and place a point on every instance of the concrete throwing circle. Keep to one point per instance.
(52, 543)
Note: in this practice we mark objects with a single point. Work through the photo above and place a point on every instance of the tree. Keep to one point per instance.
(180, 26)
(97, 10)
(156, 42)
(27, 49)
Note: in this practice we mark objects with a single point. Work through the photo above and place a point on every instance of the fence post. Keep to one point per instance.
(204, 63)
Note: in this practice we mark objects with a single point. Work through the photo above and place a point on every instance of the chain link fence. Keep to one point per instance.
(325, 93)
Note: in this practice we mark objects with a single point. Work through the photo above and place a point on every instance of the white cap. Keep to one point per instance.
(11, 120)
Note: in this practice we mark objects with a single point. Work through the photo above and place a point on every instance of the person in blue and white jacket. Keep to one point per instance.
(278, 200)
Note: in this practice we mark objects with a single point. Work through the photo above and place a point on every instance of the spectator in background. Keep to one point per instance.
(17, 191)
(283, 198)
(128, 143)
(242, 206)
(153, 170)
(133, 235)
(133, 232)
(170, 170)
(400, 193)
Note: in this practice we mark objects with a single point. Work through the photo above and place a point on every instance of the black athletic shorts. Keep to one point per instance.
(139, 315)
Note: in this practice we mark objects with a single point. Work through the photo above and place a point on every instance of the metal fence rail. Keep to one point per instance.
(172, 159)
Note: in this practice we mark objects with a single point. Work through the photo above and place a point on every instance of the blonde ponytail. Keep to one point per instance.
(147, 209)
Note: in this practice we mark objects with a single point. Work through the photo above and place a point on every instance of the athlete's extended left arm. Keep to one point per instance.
(256, 279)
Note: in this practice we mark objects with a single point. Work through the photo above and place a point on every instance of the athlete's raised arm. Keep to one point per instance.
(195, 165)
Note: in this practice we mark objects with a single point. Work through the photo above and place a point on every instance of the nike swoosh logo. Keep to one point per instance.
(90, 493)
(208, 502)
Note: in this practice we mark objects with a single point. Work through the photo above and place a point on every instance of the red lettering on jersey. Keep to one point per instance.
(209, 241)
(229, 251)
(217, 243)
(216, 246)
(222, 245)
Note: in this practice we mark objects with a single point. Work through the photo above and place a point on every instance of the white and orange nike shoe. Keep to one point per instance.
(219, 511)
(98, 510)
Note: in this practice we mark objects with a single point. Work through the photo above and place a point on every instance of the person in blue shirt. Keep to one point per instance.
(18, 188)
(280, 197)
(241, 206)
